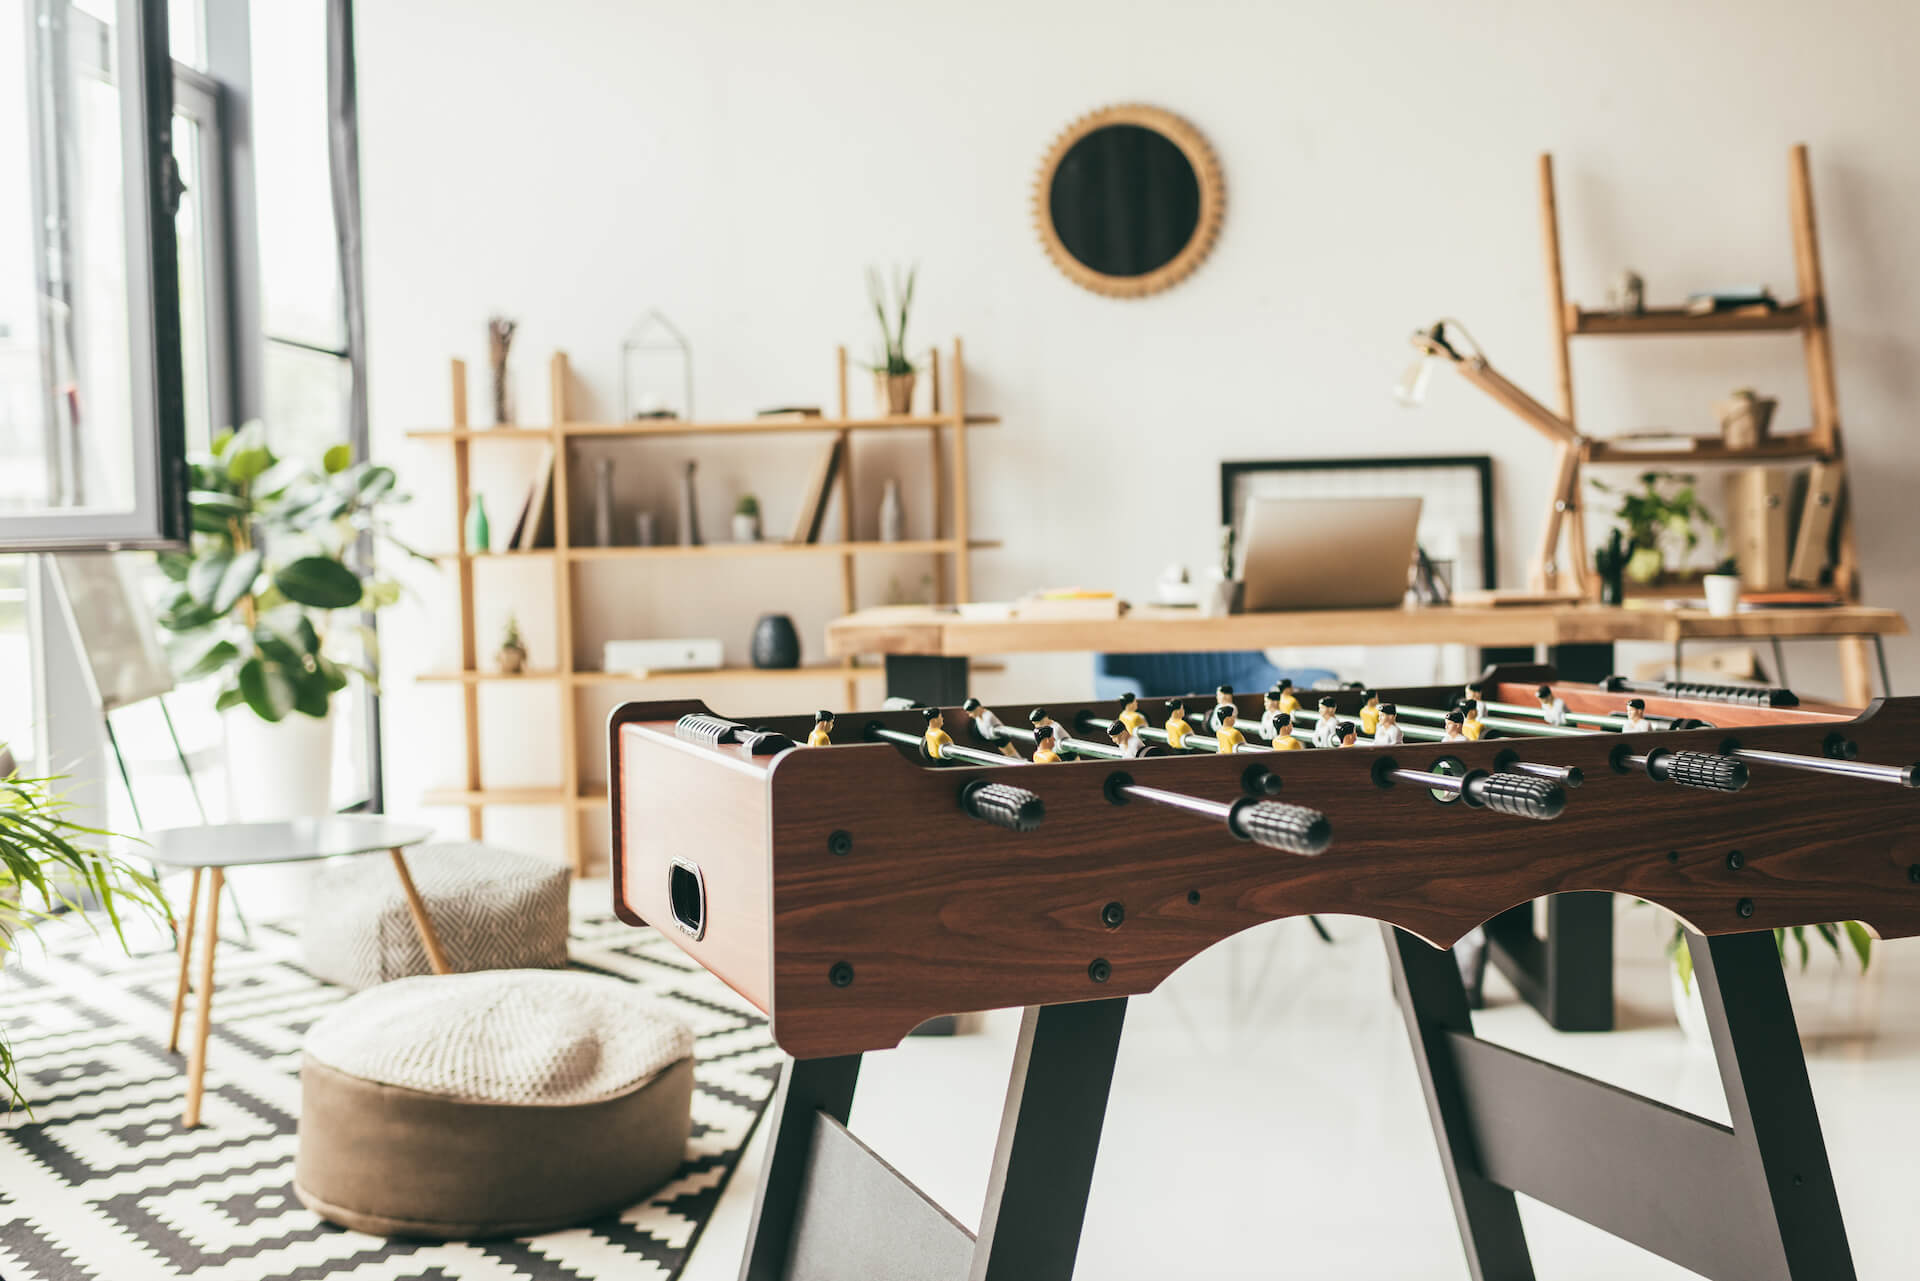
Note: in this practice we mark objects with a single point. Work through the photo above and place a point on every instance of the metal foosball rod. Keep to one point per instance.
(1537, 729)
(1598, 720)
(1503, 793)
(1509, 762)
(1839, 766)
(1294, 829)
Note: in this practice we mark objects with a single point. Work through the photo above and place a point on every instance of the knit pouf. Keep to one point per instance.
(485, 1105)
(492, 909)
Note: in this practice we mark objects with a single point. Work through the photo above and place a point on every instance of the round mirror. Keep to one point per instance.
(1129, 200)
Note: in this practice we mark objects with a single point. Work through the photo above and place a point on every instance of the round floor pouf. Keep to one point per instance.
(494, 1104)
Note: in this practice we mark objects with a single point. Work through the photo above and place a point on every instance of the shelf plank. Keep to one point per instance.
(538, 553)
(471, 678)
(1710, 449)
(495, 796)
(1786, 317)
(481, 433)
(909, 547)
(812, 672)
(757, 426)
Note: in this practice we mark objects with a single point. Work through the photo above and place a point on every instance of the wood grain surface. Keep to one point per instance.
(938, 913)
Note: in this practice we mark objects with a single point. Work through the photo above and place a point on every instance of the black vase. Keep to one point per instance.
(775, 642)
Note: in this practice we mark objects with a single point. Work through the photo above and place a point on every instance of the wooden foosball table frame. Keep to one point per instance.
(850, 893)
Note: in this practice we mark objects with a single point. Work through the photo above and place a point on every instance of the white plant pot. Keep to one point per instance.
(1723, 594)
(746, 529)
(277, 771)
(1691, 1012)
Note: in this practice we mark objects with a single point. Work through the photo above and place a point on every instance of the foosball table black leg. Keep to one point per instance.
(928, 679)
(810, 1089)
(1567, 975)
(1752, 1201)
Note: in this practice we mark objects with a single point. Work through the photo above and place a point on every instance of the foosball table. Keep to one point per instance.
(855, 875)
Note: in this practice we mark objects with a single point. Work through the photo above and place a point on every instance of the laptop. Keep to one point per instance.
(1327, 553)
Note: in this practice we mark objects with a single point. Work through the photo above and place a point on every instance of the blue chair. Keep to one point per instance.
(1167, 675)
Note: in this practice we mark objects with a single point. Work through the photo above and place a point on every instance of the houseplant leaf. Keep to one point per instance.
(203, 580)
(1861, 940)
(337, 459)
(318, 581)
(237, 581)
(210, 660)
(266, 689)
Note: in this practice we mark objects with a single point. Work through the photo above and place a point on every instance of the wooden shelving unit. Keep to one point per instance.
(1820, 444)
(946, 429)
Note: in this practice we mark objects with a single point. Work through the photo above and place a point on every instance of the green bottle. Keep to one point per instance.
(479, 534)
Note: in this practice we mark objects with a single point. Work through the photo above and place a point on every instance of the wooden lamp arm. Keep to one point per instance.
(1477, 370)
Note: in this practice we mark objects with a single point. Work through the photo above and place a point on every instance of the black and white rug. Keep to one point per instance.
(103, 1184)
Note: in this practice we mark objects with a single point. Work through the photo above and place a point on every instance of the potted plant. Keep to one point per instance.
(49, 865)
(1723, 588)
(746, 519)
(512, 655)
(893, 373)
(1690, 1011)
(266, 601)
(1666, 510)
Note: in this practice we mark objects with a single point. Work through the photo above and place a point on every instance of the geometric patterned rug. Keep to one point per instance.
(101, 1183)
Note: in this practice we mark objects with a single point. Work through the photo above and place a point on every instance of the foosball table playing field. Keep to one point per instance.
(855, 875)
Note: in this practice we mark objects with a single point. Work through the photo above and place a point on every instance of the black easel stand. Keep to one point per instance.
(831, 1210)
(1753, 1201)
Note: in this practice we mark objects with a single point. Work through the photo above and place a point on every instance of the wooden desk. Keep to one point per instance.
(927, 647)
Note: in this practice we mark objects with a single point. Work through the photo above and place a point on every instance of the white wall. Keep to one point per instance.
(736, 165)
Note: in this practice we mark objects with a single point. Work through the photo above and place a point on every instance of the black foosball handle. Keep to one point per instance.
(1280, 826)
(1515, 795)
(699, 727)
(1708, 771)
(1003, 805)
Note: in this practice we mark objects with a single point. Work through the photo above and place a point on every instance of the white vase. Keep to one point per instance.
(892, 519)
(746, 529)
(276, 771)
(1723, 594)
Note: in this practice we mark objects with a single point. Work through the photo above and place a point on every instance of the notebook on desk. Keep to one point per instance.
(1327, 553)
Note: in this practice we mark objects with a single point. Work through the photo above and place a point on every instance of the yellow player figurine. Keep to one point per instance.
(1043, 753)
(1130, 712)
(822, 730)
(1470, 725)
(1179, 729)
(1283, 739)
(1227, 737)
(1288, 700)
(936, 739)
(1370, 713)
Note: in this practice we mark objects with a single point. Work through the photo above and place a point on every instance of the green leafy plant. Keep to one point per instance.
(1727, 565)
(747, 506)
(1665, 510)
(1830, 932)
(49, 865)
(893, 336)
(273, 561)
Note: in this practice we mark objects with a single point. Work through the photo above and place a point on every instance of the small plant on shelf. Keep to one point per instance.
(893, 372)
(746, 519)
(512, 656)
(1664, 520)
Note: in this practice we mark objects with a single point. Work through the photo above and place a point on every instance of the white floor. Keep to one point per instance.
(1266, 1122)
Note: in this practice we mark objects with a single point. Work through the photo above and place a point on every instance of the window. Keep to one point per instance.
(90, 416)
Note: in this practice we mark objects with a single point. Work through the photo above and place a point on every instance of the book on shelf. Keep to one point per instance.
(535, 526)
(1651, 442)
(813, 502)
(789, 413)
(1746, 300)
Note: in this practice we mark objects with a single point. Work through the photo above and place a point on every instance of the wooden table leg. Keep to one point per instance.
(428, 939)
(197, 1060)
(186, 957)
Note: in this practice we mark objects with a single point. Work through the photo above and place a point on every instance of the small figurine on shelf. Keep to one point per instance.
(1227, 736)
(1329, 722)
(822, 729)
(1627, 296)
(1346, 735)
(1130, 712)
(1453, 730)
(1222, 701)
(512, 655)
(1289, 701)
(936, 740)
(1636, 716)
(1129, 743)
(1471, 725)
(987, 726)
(1043, 753)
(1552, 710)
(1370, 712)
(1283, 739)
(1270, 709)
(1179, 729)
(1387, 731)
(1038, 717)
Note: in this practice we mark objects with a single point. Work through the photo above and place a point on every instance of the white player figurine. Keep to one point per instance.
(1552, 710)
(988, 726)
(1326, 730)
(1454, 729)
(1129, 743)
(1387, 731)
(1222, 698)
(1636, 716)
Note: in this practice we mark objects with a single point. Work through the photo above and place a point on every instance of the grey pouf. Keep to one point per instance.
(492, 909)
(483, 1105)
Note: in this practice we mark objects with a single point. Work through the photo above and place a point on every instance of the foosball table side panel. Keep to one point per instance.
(694, 821)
